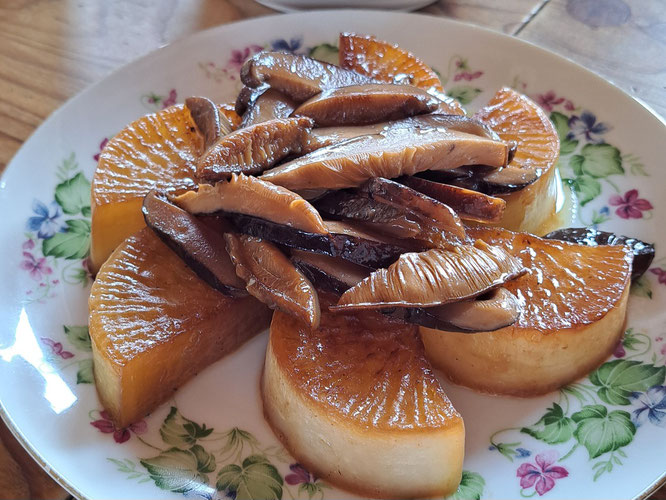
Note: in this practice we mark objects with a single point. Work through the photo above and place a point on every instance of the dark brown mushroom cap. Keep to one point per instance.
(272, 278)
(207, 117)
(366, 104)
(297, 76)
(198, 244)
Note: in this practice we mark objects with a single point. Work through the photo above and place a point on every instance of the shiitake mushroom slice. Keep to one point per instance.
(434, 277)
(468, 204)
(493, 310)
(343, 240)
(430, 211)
(490, 311)
(643, 252)
(198, 243)
(272, 278)
(398, 149)
(297, 76)
(366, 104)
(262, 104)
(484, 179)
(252, 196)
(253, 149)
(330, 274)
(208, 119)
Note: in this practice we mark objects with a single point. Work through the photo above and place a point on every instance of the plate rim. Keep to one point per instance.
(4, 414)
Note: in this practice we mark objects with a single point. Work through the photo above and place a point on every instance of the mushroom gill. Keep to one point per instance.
(434, 277)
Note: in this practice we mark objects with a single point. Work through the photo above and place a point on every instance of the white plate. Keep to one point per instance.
(297, 5)
(45, 356)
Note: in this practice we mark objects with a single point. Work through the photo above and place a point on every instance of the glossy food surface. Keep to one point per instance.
(251, 196)
(157, 151)
(363, 369)
(434, 277)
(297, 76)
(399, 149)
(365, 104)
(518, 119)
(253, 149)
(154, 324)
(272, 278)
(387, 62)
(566, 285)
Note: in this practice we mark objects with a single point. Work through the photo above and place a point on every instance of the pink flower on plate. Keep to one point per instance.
(28, 245)
(56, 348)
(548, 100)
(467, 76)
(106, 426)
(238, 57)
(299, 475)
(37, 267)
(543, 474)
(630, 206)
(170, 100)
(661, 274)
(101, 146)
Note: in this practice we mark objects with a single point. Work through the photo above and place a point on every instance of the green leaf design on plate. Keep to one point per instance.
(601, 160)
(85, 375)
(325, 52)
(641, 287)
(470, 487)
(181, 432)
(73, 195)
(600, 431)
(74, 243)
(561, 123)
(463, 93)
(585, 187)
(618, 379)
(554, 427)
(79, 337)
(255, 479)
(178, 471)
(205, 460)
(632, 340)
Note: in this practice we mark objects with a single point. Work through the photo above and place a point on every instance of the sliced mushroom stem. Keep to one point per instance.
(207, 117)
(272, 278)
(425, 208)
